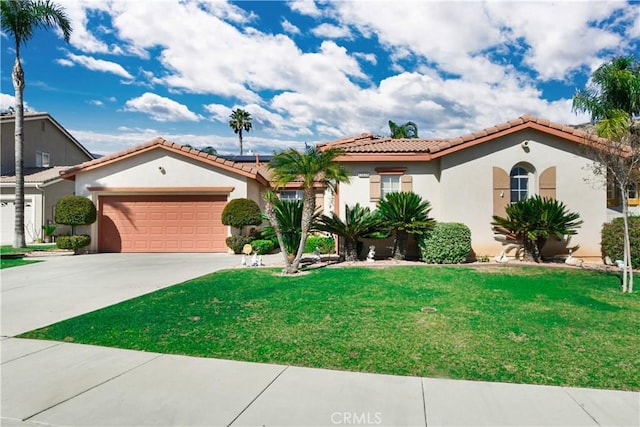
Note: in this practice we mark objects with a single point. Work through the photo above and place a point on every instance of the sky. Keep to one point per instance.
(312, 71)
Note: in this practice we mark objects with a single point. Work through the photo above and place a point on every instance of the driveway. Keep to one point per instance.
(62, 287)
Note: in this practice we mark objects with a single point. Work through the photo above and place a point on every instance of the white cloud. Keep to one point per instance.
(96, 102)
(7, 101)
(161, 109)
(95, 65)
(219, 112)
(288, 27)
(331, 31)
(305, 7)
(369, 57)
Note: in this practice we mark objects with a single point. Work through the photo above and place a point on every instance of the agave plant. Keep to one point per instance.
(359, 222)
(404, 213)
(531, 222)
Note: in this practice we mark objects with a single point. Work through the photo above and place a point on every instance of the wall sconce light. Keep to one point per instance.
(525, 145)
(162, 170)
(501, 194)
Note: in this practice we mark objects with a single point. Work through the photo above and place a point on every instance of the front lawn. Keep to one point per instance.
(15, 262)
(8, 249)
(523, 325)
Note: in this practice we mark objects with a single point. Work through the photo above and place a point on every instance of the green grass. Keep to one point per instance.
(523, 325)
(8, 263)
(8, 249)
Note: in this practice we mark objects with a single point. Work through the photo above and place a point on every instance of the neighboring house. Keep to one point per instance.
(48, 150)
(469, 179)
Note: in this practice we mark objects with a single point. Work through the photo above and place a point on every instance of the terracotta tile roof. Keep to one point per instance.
(37, 175)
(247, 169)
(367, 143)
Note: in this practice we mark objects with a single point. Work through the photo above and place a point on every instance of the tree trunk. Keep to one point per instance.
(530, 250)
(240, 140)
(400, 245)
(271, 215)
(18, 84)
(627, 269)
(350, 250)
(308, 208)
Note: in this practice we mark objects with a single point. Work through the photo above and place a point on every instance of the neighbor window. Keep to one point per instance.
(42, 159)
(291, 195)
(389, 184)
(519, 184)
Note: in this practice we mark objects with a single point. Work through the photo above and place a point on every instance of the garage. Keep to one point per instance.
(161, 223)
(8, 219)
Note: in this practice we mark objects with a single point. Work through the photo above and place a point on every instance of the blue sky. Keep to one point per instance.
(311, 71)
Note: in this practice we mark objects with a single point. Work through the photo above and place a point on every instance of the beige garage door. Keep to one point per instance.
(161, 223)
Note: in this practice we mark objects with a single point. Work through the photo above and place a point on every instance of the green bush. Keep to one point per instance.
(262, 247)
(75, 210)
(446, 243)
(326, 245)
(239, 213)
(73, 242)
(236, 243)
(613, 237)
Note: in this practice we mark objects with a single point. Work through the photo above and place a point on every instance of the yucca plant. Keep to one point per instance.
(531, 222)
(359, 222)
(402, 214)
(288, 214)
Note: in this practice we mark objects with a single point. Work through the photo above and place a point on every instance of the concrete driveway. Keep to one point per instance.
(62, 287)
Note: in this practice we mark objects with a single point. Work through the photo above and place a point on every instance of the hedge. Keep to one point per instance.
(262, 247)
(326, 245)
(239, 213)
(236, 243)
(75, 210)
(73, 242)
(612, 239)
(446, 243)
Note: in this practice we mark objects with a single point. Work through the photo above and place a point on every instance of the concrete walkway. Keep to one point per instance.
(54, 383)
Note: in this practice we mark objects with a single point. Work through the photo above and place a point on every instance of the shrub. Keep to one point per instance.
(613, 238)
(446, 243)
(326, 245)
(73, 242)
(75, 210)
(239, 213)
(236, 243)
(262, 247)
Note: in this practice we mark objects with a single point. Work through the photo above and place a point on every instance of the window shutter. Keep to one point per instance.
(501, 191)
(374, 188)
(548, 183)
(320, 201)
(406, 183)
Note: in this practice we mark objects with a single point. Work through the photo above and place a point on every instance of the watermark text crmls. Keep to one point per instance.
(359, 418)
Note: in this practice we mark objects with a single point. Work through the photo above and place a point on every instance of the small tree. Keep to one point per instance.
(532, 221)
(404, 214)
(75, 210)
(239, 213)
(286, 218)
(359, 223)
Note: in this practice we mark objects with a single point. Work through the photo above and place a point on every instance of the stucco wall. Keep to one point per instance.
(467, 186)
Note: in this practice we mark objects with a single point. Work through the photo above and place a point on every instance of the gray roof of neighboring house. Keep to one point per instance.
(37, 175)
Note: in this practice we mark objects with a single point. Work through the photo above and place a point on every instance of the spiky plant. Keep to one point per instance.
(359, 222)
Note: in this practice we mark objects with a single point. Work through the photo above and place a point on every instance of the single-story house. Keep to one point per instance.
(161, 196)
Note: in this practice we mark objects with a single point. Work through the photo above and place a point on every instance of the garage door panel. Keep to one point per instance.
(162, 223)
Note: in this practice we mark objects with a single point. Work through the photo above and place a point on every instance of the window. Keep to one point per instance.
(291, 195)
(519, 184)
(389, 184)
(42, 159)
(632, 191)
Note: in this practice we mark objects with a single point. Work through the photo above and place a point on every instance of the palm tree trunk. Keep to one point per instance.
(400, 245)
(350, 250)
(18, 84)
(530, 250)
(240, 140)
(308, 208)
(271, 215)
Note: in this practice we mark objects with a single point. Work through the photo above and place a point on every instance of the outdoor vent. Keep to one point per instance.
(363, 174)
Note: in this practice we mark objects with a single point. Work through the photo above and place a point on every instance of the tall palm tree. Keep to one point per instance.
(534, 220)
(613, 100)
(312, 167)
(404, 213)
(407, 130)
(288, 215)
(240, 121)
(20, 18)
(359, 222)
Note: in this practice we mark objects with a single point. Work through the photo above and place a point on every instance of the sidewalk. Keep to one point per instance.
(54, 383)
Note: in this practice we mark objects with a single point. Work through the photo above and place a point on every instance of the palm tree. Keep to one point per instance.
(532, 221)
(240, 121)
(312, 167)
(407, 130)
(20, 18)
(404, 213)
(613, 100)
(288, 215)
(359, 222)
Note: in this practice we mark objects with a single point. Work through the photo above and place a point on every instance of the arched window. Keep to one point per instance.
(519, 184)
